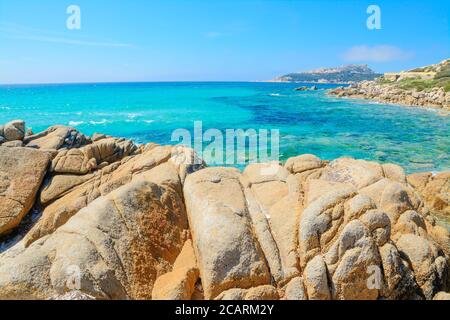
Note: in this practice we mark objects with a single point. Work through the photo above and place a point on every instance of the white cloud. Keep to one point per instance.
(72, 41)
(19, 32)
(380, 53)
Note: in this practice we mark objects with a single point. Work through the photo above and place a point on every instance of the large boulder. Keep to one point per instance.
(434, 189)
(57, 137)
(21, 173)
(114, 248)
(359, 173)
(90, 157)
(265, 292)
(303, 163)
(179, 284)
(65, 195)
(274, 206)
(229, 255)
(14, 130)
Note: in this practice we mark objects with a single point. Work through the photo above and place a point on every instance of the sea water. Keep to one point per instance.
(308, 121)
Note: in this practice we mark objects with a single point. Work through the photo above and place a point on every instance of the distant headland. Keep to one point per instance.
(341, 75)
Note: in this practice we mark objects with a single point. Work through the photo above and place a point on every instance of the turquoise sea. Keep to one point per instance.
(309, 122)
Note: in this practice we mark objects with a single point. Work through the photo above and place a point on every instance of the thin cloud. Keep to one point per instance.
(380, 53)
(214, 34)
(19, 32)
(72, 41)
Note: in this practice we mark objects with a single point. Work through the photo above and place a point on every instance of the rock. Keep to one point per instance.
(98, 136)
(57, 137)
(315, 188)
(394, 93)
(115, 248)
(284, 218)
(359, 173)
(419, 180)
(57, 186)
(13, 144)
(319, 222)
(2, 130)
(179, 284)
(232, 294)
(257, 173)
(316, 280)
(21, 173)
(392, 197)
(442, 296)
(265, 237)
(29, 132)
(434, 189)
(228, 254)
(399, 282)
(2, 140)
(265, 292)
(295, 290)
(14, 130)
(345, 243)
(358, 256)
(87, 158)
(269, 193)
(73, 295)
(303, 163)
(429, 265)
(394, 172)
(348, 229)
(66, 203)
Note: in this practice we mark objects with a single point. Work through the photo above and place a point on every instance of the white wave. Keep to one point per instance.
(75, 123)
(103, 121)
(149, 121)
(133, 115)
(275, 95)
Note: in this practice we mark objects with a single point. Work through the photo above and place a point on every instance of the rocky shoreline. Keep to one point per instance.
(390, 93)
(125, 221)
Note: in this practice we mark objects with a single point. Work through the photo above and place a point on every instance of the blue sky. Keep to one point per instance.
(213, 40)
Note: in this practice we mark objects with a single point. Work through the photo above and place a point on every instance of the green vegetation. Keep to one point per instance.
(423, 69)
(444, 72)
(383, 80)
(425, 85)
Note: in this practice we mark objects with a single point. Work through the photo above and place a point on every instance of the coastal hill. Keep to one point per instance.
(98, 217)
(344, 74)
(427, 86)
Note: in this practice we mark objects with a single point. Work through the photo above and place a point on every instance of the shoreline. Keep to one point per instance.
(436, 98)
(434, 109)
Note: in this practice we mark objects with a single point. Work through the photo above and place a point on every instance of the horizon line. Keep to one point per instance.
(120, 82)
